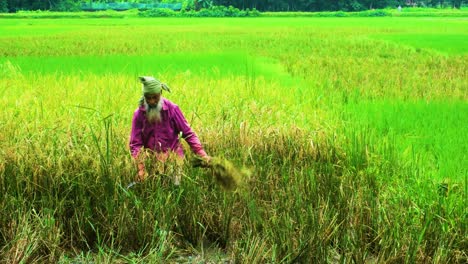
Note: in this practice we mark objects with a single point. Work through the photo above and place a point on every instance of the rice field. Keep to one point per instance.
(355, 131)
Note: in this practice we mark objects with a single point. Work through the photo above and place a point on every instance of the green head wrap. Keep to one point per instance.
(152, 85)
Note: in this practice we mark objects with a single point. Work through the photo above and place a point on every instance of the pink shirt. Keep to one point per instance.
(163, 137)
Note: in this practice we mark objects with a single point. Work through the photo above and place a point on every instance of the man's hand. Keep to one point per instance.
(207, 160)
(141, 173)
(203, 162)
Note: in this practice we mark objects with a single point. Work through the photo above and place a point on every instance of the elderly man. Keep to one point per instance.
(157, 126)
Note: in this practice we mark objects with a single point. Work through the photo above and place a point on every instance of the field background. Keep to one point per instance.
(355, 130)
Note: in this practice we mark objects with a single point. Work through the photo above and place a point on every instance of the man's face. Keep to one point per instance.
(152, 99)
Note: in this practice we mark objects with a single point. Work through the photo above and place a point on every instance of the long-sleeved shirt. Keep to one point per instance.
(163, 137)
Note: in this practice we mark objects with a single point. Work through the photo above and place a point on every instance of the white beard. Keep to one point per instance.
(153, 114)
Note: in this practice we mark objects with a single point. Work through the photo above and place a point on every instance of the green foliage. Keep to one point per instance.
(66, 5)
(274, 5)
(188, 5)
(213, 11)
(356, 6)
(158, 12)
(222, 11)
(3, 6)
(374, 13)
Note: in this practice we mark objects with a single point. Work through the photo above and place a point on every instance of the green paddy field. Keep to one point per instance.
(355, 131)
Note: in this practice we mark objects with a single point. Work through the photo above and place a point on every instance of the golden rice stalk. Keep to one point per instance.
(225, 172)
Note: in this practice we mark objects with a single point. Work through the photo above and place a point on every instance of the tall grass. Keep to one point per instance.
(356, 145)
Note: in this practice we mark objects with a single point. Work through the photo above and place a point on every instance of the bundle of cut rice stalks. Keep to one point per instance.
(225, 172)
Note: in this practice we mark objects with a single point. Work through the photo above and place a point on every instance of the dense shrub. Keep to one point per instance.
(158, 12)
(3, 6)
(374, 13)
(213, 11)
(67, 5)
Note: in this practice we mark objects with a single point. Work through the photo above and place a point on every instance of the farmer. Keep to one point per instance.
(157, 126)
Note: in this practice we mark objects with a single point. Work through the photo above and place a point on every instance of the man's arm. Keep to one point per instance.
(136, 144)
(187, 133)
(136, 135)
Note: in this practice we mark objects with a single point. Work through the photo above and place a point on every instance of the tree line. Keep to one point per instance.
(261, 5)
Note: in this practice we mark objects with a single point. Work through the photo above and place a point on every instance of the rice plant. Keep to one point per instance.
(353, 140)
